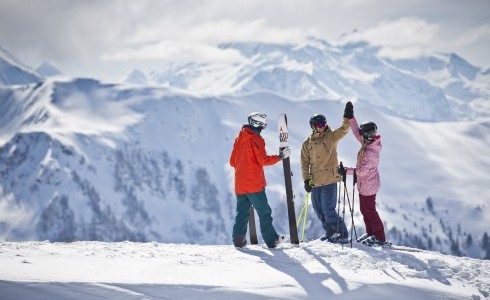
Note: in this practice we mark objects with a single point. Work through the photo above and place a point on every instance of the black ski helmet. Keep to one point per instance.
(317, 118)
(368, 130)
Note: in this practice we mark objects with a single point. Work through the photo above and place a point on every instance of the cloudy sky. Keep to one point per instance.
(108, 38)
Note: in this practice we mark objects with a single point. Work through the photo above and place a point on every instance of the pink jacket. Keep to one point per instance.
(368, 182)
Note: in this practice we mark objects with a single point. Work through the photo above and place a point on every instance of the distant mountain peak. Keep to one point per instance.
(136, 77)
(48, 70)
(459, 66)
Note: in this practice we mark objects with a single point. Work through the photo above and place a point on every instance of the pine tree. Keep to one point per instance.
(486, 245)
(430, 205)
(469, 241)
(485, 241)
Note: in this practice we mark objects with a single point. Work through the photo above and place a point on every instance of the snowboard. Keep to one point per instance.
(284, 142)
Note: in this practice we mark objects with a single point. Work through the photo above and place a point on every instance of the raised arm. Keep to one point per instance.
(355, 129)
(341, 131)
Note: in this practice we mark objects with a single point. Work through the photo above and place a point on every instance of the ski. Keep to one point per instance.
(406, 249)
(251, 226)
(393, 247)
(283, 142)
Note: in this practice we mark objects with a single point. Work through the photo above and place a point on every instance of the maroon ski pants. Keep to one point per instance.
(374, 225)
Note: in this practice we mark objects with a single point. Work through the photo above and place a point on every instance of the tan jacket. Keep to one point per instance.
(319, 155)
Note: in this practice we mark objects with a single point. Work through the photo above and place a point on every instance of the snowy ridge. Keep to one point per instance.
(314, 270)
(436, 88)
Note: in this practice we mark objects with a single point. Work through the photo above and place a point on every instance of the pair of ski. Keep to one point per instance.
(293, 229)
(389, 246)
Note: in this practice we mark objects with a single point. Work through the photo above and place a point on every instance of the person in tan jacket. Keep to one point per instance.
(319, 165)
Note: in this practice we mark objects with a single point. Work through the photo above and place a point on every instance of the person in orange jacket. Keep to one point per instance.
(249, 157)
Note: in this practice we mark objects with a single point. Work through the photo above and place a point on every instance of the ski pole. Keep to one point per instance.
(304, 218)
(351, 209)
(343, 208)
(354, 181)
(338, 205)
(303, 213)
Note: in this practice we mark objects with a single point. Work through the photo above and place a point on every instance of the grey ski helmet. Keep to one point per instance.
(257, 120)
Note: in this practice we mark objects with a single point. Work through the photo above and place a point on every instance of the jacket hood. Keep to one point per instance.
(247, 133)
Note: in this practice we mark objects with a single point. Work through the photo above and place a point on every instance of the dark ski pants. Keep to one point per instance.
(264, 211)
(374, 225)
(324, 202)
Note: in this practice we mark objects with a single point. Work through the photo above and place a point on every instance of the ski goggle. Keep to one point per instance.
(259, 124)
(320, 124)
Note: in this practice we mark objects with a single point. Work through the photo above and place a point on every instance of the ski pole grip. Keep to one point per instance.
(341, 171)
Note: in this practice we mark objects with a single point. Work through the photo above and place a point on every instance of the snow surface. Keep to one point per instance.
(313, 270)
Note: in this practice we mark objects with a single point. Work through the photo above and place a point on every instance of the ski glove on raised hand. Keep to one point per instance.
(284, 152)
(307, 186)
(349, 110)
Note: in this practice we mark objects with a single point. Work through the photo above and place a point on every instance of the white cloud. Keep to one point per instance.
(175, 51)
(218, 31)
(76, 35)
(410, 37)
(197, 42)
(402, 38)
(475, 35)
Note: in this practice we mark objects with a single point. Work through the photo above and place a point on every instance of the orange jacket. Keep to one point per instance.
(248, 158)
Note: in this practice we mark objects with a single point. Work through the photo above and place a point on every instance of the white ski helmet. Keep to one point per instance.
(257, 120)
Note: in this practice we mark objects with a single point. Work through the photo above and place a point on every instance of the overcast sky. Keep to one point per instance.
(107, 39)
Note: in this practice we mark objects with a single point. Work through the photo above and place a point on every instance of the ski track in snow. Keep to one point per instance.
(313, 270)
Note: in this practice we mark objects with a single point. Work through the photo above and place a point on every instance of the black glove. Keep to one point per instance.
(307, 186)
(349, 110)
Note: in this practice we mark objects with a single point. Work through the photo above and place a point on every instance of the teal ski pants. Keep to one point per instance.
(264, 211)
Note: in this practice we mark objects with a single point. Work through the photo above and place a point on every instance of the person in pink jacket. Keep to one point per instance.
(368, 182)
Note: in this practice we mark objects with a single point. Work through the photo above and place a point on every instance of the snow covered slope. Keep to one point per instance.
(83, 160)
(316, 270)
(441, 87)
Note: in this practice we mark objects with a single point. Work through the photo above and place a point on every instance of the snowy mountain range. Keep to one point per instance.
(87, 160)
(441, 87)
